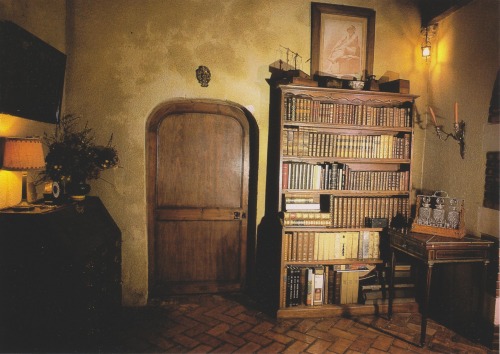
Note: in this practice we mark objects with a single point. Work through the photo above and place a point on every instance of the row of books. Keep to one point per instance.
(350, 212)
(321, 285)
(344, 284)
(301, 199)
(303, 142)
(338, 176)
(306, 219)
(377, 180)
(304, 246)
(305, 202)
(305, 109)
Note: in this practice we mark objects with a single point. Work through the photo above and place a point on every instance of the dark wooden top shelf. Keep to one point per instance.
(348, 95)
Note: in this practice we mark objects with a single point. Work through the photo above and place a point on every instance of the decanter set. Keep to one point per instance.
(439, 210)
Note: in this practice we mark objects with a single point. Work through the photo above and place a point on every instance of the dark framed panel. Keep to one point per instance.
(342, 40)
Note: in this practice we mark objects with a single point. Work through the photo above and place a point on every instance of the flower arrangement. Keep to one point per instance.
(73, 156)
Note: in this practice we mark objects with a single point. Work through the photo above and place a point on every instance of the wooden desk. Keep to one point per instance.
(430, 250)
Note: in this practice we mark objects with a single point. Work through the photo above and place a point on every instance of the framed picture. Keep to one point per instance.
(342, 40)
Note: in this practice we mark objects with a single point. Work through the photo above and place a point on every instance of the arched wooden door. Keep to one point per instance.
(197, 192)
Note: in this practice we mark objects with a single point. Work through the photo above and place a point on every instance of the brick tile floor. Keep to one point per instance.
(233, 324)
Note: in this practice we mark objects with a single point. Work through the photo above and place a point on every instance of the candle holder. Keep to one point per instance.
(458, 135)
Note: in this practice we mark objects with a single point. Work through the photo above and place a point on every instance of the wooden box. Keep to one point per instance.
(398, 86)
(424, 211)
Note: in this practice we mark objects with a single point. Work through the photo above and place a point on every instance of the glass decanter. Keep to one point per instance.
(438, 213)
(453, 214)
(424, 212)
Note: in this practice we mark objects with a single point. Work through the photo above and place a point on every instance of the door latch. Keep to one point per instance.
(238, 215)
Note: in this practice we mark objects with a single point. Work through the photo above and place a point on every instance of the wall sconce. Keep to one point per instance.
(23, 154)
(427, 32)
(458, 130)
(426, 51)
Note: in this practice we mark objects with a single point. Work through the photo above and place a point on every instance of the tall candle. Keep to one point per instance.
(456, 112)
(433, 116)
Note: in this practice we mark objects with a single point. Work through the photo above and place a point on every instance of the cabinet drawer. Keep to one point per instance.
(408, 245)
(461, 254)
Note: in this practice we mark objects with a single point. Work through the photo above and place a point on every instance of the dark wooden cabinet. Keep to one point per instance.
(60, 276)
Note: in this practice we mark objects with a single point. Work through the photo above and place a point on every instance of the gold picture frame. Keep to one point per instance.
(342, 40)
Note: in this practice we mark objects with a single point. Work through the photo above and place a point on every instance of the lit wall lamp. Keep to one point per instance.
(427, 32)
(23, 154)
(458, 128)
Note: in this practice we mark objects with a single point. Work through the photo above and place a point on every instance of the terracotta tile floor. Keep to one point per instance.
(233, 324)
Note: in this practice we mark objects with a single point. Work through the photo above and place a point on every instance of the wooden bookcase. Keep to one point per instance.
(337, 157)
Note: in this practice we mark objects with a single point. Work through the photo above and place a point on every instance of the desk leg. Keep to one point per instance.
(482, 290)
(425, 307)
(391, 283)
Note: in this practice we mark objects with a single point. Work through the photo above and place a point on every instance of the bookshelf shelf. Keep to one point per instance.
(345, 193)
(328, 229)
(336, 261)
(351, 127)
(339, 156)
(303, 311)
(345, 160)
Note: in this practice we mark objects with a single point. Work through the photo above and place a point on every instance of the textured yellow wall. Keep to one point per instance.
(126, 57)
(463, 69)
(46, 20)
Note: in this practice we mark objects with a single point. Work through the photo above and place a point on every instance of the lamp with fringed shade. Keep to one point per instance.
(23, 154)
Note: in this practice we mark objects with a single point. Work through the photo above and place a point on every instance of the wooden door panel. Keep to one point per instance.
(200, 161)
(198, 173)
(209, 248)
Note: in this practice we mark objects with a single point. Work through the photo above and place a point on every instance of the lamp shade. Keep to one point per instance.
(22, 154)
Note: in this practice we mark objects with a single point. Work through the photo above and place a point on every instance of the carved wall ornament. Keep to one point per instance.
(203, 75)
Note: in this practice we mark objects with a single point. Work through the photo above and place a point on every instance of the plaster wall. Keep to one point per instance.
(463, 68)
(46, 20)
(127, 57)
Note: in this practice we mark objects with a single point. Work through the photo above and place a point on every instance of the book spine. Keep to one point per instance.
(310, 287)
(318, 286)
(285, 175)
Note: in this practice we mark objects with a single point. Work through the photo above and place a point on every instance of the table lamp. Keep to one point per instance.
(23, 154)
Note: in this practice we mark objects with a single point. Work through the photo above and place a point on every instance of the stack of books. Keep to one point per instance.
(377, 293)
